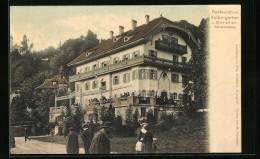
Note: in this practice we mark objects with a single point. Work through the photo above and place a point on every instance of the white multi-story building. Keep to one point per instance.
(134, 67)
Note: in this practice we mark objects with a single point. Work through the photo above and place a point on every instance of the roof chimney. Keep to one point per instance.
(121, 30)
(147, 19)
(111, 34)
(134, 24)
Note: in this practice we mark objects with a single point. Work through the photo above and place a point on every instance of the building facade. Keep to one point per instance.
(141, 68)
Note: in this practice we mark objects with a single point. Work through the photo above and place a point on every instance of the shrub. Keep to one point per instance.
(151, 118)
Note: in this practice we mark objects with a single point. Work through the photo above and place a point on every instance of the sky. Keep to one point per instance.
(49, 25)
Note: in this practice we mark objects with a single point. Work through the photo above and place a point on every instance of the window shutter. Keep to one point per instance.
(155, 53)
(149, 52)
(133, 75)
(155, 75)
(177, 78)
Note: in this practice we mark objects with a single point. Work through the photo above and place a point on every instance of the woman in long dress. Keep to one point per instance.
(148, 140)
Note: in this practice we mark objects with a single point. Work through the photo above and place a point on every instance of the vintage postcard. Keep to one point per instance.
(125, 79)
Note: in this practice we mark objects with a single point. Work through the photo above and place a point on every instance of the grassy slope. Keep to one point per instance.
(189, 137)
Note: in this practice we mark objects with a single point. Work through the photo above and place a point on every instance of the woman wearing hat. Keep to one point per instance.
(148, 140)
(101, 142)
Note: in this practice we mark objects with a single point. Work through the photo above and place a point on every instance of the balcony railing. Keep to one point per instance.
(170, 47)
(145, 60)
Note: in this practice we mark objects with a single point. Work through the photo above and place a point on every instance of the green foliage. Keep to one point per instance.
(18, 111)
(197, 75)
(46, 100)
(135, 117)
(129, 122)
(30, 70)
(89, 41)
(75, 120)
(151, 118)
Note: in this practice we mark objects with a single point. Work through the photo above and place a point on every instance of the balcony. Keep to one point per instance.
(140, 60)
(170, 47)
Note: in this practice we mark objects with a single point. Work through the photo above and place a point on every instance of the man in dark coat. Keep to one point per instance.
(87, 137)
(26, 133)
(72, 146)
(101, 142)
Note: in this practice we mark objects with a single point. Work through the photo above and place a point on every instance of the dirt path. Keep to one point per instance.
(38, 147)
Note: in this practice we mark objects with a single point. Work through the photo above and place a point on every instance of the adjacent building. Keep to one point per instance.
(59, 85)
(142, 68)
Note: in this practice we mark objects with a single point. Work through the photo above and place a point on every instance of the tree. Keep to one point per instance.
(46, 100)
(90, 41)
(18, 111)
(151, 119)
(197, 75)
(25, 46)
(129, 122)
(135, 117)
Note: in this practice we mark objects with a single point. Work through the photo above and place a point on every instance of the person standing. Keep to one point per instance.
(101, 142)
(87, 137)
(148, 140)
(26, 134)
(72, 146)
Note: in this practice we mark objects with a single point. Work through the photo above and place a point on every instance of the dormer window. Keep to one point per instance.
(104, 64)
(126, 57)
(54, 83)
(116, 60)
(152, 53)
(136, 53)
(127, 38)
(115, 39)
(94, 66)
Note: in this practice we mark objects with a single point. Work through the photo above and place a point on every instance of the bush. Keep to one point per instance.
(151, 118)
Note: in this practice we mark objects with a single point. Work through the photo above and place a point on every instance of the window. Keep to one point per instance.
(87, 86)
(94, 66)
(173, 96)
(103, 85)
(152, 53)
(136, 53)
(175, 78)
(143, 93)
(184, 59)
(135, 74)
(143, 111)
(153, 74)
(126, 57)
(151, 93)
(184, 79)
(126, 78)
(94, 84)
(116, 80)
(104, 64)
(144, 73)
(165, 38)
(116, 60)
(175, 58)
(87, 69)
(180, 96)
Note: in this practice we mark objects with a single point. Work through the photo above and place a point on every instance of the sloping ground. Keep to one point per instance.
(187, 136)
